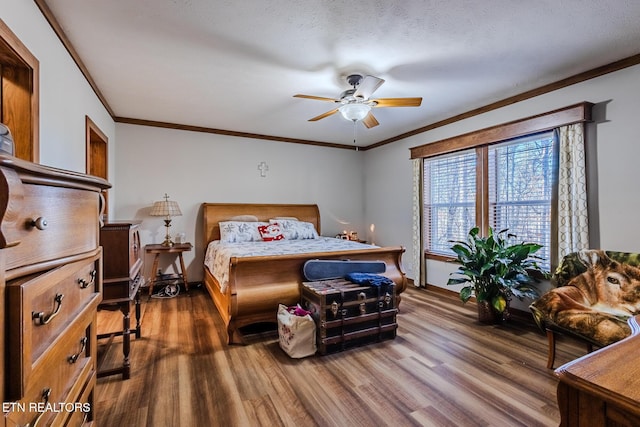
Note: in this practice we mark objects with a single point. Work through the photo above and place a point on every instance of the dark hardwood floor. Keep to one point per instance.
(443, 369)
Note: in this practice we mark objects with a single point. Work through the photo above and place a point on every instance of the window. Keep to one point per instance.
(449, 199)
(520, 189)
(506, 185)
(516, 177)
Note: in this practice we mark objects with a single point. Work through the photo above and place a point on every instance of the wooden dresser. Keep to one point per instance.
(603, 387)
(50, 288)
(122, 278)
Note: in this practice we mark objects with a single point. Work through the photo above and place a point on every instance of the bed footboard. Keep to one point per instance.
(258, 284)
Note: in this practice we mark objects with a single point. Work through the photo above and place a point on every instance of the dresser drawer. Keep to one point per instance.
(60, 378)
(41, 307)
(48, 223)
(83, 409)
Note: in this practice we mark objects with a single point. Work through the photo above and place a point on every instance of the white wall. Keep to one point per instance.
(193, 168)
(615, 152)
(65, 96)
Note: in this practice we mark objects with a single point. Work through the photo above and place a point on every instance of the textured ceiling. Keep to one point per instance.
(235, 65)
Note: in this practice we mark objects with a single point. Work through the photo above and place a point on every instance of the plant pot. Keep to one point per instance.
(488, 315)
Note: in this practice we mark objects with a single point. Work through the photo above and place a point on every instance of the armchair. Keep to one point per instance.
(595, 293)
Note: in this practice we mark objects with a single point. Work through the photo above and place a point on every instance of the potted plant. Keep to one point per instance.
(495, 269)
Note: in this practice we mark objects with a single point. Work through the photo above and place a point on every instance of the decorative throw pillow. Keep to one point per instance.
(296, 230)
(270, 232)
(240, 231)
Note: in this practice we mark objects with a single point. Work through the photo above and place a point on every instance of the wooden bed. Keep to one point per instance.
(258, 284)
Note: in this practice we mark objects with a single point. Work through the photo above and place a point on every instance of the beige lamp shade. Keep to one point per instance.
(166, 208)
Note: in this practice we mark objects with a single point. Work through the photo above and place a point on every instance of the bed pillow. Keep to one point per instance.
(240, 231)
(296, 230)
(244, 218)
(270, 232)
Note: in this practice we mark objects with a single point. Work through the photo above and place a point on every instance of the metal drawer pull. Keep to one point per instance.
(39, 223)
(44, 319)
(84, 284)
(45, 398)
(73, 358)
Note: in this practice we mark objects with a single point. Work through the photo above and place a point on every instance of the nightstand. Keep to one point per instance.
(157, 250)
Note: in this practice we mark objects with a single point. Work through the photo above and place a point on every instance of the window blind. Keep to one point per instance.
(449, 199)
(520, 189)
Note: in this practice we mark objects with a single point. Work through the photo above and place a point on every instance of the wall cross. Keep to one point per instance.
(263, 167)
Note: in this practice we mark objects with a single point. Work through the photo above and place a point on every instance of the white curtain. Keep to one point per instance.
(573, 224)
(417, 260)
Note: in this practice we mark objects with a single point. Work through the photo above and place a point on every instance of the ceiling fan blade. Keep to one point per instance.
(369, 121)
(367, 86)
(322, 116)
(318, 98)
(398, 102)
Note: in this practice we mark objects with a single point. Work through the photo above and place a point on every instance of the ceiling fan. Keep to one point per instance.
(355, 104)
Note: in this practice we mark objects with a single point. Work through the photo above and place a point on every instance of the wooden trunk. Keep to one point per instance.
(348, 315)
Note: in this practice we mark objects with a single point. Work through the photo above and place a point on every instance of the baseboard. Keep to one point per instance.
(521, 316)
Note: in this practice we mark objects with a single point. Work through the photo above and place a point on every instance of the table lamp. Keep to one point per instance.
(166, 208)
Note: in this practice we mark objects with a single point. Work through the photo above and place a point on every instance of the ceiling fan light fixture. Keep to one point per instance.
(354, 112)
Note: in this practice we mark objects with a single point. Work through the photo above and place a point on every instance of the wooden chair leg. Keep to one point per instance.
(551, 338)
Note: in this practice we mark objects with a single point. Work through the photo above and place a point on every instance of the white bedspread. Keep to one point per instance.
(219, 254)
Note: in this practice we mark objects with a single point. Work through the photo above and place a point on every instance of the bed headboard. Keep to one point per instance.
(213, 213)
